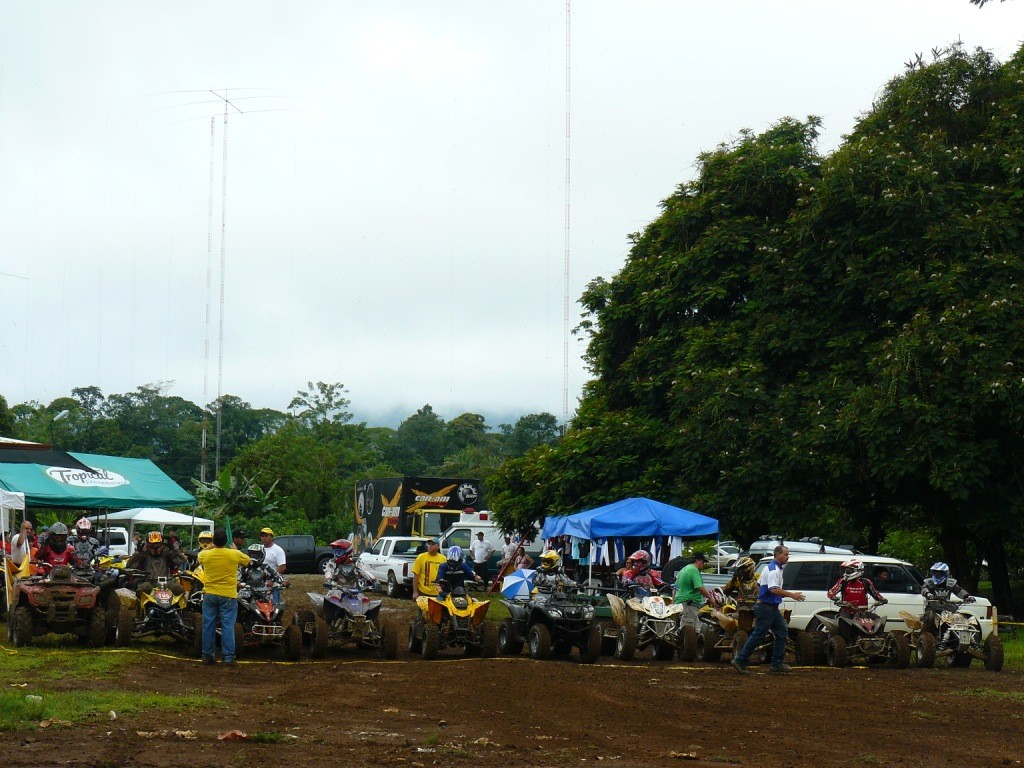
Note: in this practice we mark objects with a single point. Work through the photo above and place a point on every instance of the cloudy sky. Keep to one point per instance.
(394, 212)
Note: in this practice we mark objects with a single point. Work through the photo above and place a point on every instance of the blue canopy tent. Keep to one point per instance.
(638, 517)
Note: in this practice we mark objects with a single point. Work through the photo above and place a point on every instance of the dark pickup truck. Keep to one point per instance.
(302, 553)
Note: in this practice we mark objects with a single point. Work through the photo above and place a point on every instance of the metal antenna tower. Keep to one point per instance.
(209, 284)
(568, 180)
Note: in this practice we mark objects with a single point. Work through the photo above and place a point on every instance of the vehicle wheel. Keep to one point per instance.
(197, 635)
(393, 590)
(591, 652)
(562, 647)
(21, 626)
(318, 639)
(431, 641)
(293, 642)
(665, 652)
(925, 650)
(123, 628)
(899, 650)
(625, 643)
(959, 660)
(96, 636)
(835, 652)
(609, 634)
(321, 564)
(507, 643)
(687, 643)
(706, 650)
(739, 639)
(539, 638)
(389, 640)
(810, 648)
(304, 619)
(993, 649)
(488, 639)
(239, 639)
(415, 643)
(113, 612)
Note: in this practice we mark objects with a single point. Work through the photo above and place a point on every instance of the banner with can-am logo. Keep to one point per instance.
(408, 506)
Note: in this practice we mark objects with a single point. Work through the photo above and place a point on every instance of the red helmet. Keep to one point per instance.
(343, 551)
(640, 560)
(84, 526)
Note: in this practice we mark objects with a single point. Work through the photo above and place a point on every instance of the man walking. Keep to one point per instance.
(691, 592)
(767, 615)
(220, 597)
(481, 549)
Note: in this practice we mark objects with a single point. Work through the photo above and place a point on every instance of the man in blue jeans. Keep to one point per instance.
(768, 616)
(220, 597)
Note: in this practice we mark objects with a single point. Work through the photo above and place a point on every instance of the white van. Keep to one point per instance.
(463, 533)
(116, 540)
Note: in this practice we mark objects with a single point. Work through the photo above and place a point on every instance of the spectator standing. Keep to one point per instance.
(425, 568)
(481, 549)
(220, 597)
(238, 540)
(21, 543)
(275, 558)
(768, 616)
(691, 592)
(507, 550)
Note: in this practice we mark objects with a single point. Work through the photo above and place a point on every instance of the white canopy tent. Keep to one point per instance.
(162, 518)
(10, 502)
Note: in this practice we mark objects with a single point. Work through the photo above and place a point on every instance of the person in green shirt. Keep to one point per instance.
(691, 592)
(220, 597)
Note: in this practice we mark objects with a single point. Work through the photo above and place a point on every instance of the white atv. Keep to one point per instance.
(651, 620)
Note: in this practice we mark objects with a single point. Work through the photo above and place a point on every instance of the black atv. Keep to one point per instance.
(550, 624)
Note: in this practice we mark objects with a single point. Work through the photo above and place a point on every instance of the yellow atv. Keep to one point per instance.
(454, 620)
(159, 613)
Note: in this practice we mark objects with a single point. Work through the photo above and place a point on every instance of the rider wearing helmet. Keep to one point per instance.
(205, 540)
(87, 548)
(455, 571)
(853, 588)
(550, 574)
(257, 573)
(158, 561)
(345, 570)
(937, 589)
(743, 583)
(56, 550)
(638, 573)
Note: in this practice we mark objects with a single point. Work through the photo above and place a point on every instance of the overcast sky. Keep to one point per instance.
(395, 198)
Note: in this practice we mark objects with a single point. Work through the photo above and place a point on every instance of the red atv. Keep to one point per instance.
(59, 602)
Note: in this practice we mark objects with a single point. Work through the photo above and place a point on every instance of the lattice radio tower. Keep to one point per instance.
(568, 180)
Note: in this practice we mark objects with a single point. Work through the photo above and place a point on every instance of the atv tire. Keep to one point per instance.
(665, 652)
(539, 639)
(925, 650)
(739, 639)
(899, 650)
(687, 643)
(293, 642)
(96, 634)
(239, 639)
(21, 626)
(389, 640)
(810, 648)
(318, 639)
(993, 649)
(197, 635)
(835, 652)
(431, 641)
(608, 642)
(591, 650)
(507, 643)
(625, 643)
(123, 628)
(959, 660)
(488, 639)
(415, 643)
(706, 650)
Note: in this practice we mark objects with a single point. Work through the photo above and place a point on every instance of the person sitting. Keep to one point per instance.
(56, 550)
(743, 585)
(159, 562)
(455, 571)
(344, 570)
(256, 573)
(638, 574)
(937, 590)
(852, 590)
(87, 547)
(550, 577)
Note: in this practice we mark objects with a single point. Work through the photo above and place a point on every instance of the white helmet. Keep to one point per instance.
(852, 569)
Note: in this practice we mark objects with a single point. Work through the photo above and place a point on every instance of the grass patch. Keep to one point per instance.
(1013, 651)
(271, 737)
(431, 740)
(17, 712)
(58, 662)
(989, 693)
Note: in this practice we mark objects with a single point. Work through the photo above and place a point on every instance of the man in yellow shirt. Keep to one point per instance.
(220, 597)
(424, 570)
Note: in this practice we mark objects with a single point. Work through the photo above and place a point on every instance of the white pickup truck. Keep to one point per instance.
(390, 561)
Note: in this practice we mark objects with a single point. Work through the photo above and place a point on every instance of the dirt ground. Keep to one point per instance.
(351, 709)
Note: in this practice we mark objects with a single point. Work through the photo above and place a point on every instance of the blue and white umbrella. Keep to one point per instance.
(519, 583)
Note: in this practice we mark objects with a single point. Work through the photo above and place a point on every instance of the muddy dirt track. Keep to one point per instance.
(352, 710)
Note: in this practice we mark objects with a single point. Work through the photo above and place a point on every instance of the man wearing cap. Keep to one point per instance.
(425, 568)
(238, 540)
(691, 592)
(275, 558)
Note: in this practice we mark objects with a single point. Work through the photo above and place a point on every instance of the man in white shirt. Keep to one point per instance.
(481, 549)
(21, 543)
(275, 558)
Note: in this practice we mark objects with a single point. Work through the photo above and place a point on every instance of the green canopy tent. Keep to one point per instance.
(115, 483)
